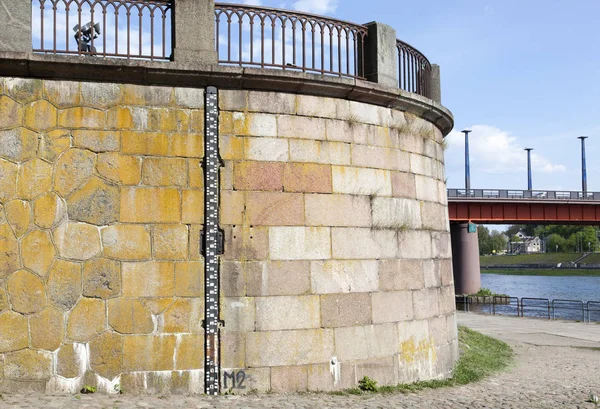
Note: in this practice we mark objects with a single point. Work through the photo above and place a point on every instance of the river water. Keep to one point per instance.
(585, 290)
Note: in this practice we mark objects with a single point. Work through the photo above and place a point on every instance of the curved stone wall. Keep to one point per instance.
(337, 250)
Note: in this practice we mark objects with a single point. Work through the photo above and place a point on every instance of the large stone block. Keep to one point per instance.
(8, 180)
(126, 242)
(48, 210)
(170, 241)
(186, 145)
(299, 243)
(71, 360)
(81, 117)
(440, 245)
(145, 95)
(28, 365)
(18, 215)
(398, 275)
(415, 244)
(37, 252)
(192, 206)
(261, 125)
(232, 207)
(396, 214)
(274, 209)
(148, 353)
(301, 127)
(189, 354)
(97, 141)
(100, 95)
(14, 332)
(345, 310)
(434, 216)
(233, 277)
(184, 316)
(426, 303)
(52, 144)
(363, 243)
(342, 131)
(86, 320)
(384, 370)
(62, 94)
(148, 279)
(372, 341)
(431, 273)
(445, 269)
(233, 100)
(361, 181)
(106, 355)
(12, 113)
(239, 314)
(258, 176)
(96, 202)
(272, 348)
(77, 241)
(403, 185)
(266, 149)
(336, 153)
(128, 316)
(26, 292)
(272, 278)
(23, 90)
(35, 178)
(119, 168)
(47, 329)
(101, 278)
(447, 300)
(289, 379)
(316, 106)
(271, 102)
(233, 349)
(9, 251)
(164, 172)
(40, 116)
(427, 189)
(392, 306)
(189, 279)
(18, 144)
(307, 177)
(233, 148)
(73, 169)
(148, 205)
(302, 312)
(192, 98)
(337, 276)
(379, 158)
(3, 298)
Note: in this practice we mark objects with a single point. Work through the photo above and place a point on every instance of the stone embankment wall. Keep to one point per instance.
(337, 247)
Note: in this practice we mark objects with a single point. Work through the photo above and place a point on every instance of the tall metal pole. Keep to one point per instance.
(529, 184)
(467, 162)
(583, 167)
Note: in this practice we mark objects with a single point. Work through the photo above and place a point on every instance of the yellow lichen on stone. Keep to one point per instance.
(18, 144)
(126, 242)
(148, 353)
(147, 205)
(9, 251)
(23, 90)
(18, 214)
(12, 113)
(62, 94)
(164, 172)
(148, 279)
(188, 279)
(80, 117)
(97, 141)
(120, 168)
(86, 320)
(53, 143)
(170, 242)
(35, 178)
(48, 210)
(183, 316)
(119, 118)
(128, 316)
(26, 292)
(47, 329)
(192, 206)
(73, 169)
(101, 278)
(68, 362)
(77, 241)
(28, 365)
(64, 284)
(37, 252)
(96, 203)
(14, 334)
(8, 180)
(187, 355)
(40, 116)
(106, 355)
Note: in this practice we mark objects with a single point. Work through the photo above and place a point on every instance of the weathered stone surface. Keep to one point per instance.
(147, 205)
(337, 210)
(9, 251)
(62, 94)
(233, 347)
(147, 95)
(188, 353)
(301, 127)
(316, 106)
(26, 292)
(69, 362)
(186, 145)
(289, 379)
(307, 177)
(188, 279)
(361, 181)
(8, 180)
(129, 316)
(271, 102)
(395, 214)
(338, 276)
(164, 172)
(126, 242)
(48, 210)
(47, 329)
(336, 153)
(379, 158)
(77, 241)
(301, 312)
(40, 116)
(244, 243)
(232, 207)
(12, 113)
(157, 305)
(425, 303)
(274, 209)
(392, 306)
(64, 284)
(427, 189)
(35, 178)
(445, 270)
(362, 243)
(233, 100)
(272, 348)
(28, 365)
(258, 176)
(101, 278)
(86, 320)
(397, 275)
(14, 334)
(18, 214)
(3, 298)
(73, 169)
(106, 355)
(192, 206)
(372, 341)
(403, 185)
(239, 313)
(148, 279)
(23, 90)
(97, 141)
(192, 98)
(271, 278)
(53, 143)
(170, 241)
(266, 149)
(232, 148)
(148, 353)
(299, 243)
(233, 278)
(345, 310)
(81, 117)
(440, 245)
(184, 316)
(414, 244)
(120, 168)
(37, 251)
(100, 95)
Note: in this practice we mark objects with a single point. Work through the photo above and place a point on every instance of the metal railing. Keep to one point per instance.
(107, 28)
(521, 194)
(414, 70)
(575, 310)
(289, 40)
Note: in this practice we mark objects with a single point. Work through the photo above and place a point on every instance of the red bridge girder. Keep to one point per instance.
(507, 212)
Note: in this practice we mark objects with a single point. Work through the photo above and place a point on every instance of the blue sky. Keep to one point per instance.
(519, 73)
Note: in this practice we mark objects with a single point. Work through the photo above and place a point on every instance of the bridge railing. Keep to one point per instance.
(521, 194)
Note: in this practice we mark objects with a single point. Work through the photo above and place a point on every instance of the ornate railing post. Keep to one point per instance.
(15, 30)
(436, 88)
(194, 31)
(381, 57)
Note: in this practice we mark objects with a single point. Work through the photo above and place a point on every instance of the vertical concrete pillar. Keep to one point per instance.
(15, 27)
(194, 31)
(465, 259)
(436, 84)
(381, 55)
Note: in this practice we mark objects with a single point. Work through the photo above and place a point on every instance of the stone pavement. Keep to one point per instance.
(555, 367)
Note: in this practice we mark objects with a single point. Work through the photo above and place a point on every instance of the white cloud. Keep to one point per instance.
(495, 151)
(252, 2)
(316, 6)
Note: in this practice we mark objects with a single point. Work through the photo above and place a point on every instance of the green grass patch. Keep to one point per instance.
(486, 292)
(541, 258)
(542, 272)
(482, 356)
(591, 259)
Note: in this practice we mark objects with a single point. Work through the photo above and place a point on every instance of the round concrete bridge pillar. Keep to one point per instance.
(465, 259)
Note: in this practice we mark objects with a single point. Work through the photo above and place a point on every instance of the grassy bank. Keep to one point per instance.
(481, 357)
(540, 258)
(542, 272)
